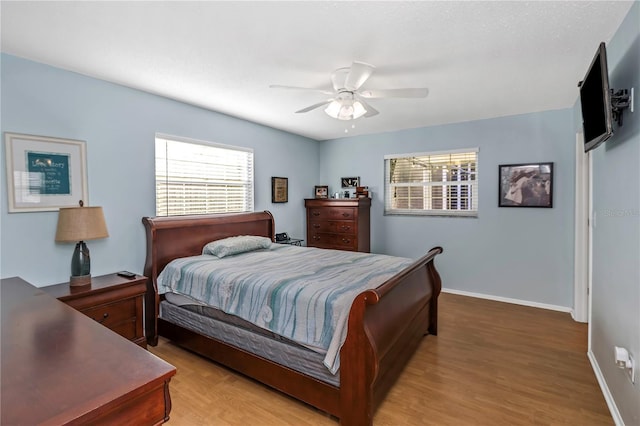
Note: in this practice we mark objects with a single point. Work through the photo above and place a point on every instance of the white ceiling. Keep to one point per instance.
(479, 59)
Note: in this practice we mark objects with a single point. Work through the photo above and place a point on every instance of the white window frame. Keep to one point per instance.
(429, 185)
(203, 184)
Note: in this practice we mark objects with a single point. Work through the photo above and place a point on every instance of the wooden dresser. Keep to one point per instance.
(341, 224)
(113, 301)
(60, 368)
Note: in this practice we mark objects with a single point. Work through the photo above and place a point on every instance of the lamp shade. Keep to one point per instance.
(81, 224)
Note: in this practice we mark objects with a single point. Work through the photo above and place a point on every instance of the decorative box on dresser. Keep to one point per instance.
(113, 301)
(341, 224)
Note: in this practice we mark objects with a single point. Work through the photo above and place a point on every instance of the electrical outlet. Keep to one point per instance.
(624, 360)
(631, 370)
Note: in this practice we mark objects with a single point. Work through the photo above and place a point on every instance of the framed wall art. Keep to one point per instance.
(45, 173)
(279, 189)
(525, 185)
(350, 182)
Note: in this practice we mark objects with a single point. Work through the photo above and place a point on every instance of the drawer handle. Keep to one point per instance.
(104, 317)
(346, 240)
(345, 228)
(315, 225)
(316, 213)
(316, 238)
(346, 214)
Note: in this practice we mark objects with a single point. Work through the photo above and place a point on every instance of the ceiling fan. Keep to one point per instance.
(347, 100)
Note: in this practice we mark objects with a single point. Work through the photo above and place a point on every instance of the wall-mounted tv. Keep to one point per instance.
(595, 99)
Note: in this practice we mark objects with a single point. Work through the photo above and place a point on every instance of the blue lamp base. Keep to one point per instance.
(80, 266)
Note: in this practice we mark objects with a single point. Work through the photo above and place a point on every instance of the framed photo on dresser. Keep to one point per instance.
(322, 191)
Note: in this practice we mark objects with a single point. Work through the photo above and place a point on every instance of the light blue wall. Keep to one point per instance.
(519, 253)
(119, 125)
(616, 233)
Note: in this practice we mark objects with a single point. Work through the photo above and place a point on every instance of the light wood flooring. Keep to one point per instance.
(492, 363)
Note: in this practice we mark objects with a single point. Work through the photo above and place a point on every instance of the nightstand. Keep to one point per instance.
(114, 301)
(291, 241)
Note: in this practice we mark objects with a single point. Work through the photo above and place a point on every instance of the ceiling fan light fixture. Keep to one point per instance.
(358, 110)
(345, 109)
(333, 109)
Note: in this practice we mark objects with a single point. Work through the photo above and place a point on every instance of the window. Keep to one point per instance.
(432, 183)
(196, 177)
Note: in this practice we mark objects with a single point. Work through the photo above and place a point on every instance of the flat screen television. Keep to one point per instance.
(595, 100)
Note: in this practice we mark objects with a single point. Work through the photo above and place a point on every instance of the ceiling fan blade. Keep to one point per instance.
(359, 73)
(395, 93)
(306, 89)
(338, 78)
(371, 111)
(314, 106)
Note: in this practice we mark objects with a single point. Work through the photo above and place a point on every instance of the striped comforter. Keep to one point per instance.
(301, 293)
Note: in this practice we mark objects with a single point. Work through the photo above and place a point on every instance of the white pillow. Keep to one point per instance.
(236, 245)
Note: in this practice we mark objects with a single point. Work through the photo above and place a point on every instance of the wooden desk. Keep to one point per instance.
(61, 367)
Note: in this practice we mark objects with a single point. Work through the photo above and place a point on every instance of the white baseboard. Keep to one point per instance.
(576, 319)
(613, 409)
(509, 300)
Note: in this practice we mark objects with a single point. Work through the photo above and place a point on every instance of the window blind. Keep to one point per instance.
(196, 177)
(437, 183)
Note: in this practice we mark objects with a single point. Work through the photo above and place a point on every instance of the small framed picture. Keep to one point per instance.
(350, 182)
(322, 191)
(279, 189)
(525, 185)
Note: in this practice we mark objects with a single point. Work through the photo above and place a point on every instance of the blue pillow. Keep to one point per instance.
(236, 245)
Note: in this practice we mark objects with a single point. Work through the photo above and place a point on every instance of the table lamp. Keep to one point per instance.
(78, 224)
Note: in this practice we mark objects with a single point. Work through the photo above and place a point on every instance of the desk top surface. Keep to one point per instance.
(58, 365)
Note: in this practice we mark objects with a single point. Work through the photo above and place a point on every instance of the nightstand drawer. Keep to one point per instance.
(126, 329)
(113, 313)
(114, 301)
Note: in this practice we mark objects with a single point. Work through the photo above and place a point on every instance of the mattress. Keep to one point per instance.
(303, 294)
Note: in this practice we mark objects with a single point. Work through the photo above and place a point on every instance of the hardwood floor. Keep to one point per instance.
(492, 363)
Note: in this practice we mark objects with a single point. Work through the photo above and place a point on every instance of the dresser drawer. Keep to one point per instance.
(334, 213)
(113, 314)
(334, 241)
(337, 226)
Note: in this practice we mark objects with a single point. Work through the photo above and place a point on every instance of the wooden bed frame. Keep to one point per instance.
(384, 329)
